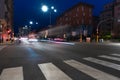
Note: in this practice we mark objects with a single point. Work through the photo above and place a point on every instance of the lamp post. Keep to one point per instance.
(45, 9)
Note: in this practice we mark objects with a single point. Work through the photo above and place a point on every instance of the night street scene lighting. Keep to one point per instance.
(50, 10)
(44, 8)
(31, 22)
(59, 40)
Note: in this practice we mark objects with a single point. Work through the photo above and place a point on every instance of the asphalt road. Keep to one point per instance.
(60, 61)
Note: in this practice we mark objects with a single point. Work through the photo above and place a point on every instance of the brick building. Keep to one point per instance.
(78, 18)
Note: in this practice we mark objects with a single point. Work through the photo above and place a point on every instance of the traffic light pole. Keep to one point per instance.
(97, 30)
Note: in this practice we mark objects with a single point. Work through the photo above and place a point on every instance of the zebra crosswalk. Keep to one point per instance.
(116, 55)
(53, 72)
(12, 74)
(97, 74)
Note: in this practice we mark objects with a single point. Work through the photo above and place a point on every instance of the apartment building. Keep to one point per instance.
(110, 19)
(106, 17)
(116, 28)
(6, 20)
(79, 18)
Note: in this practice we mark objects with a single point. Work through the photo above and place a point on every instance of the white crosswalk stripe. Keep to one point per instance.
(116, 55)
(51, 72)
(97, 74)
(104, 63)
(110, 57)
(12, 74)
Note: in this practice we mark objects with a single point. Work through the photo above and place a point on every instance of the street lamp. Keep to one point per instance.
(36, 22)
(52, 7)
(45, 9)
(31, 22)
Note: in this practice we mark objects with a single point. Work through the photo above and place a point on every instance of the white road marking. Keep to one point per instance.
(51, 72)
(97, 74)
(116, 55)
(12, 74)
(110, 57)
(104, 63)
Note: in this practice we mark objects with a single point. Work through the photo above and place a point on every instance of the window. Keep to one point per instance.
(118, 14)
(90, 21)
(82, 21)
(76, 14)
(90, 15)
(90, 10)
(67, 19)
(77, 21)
(83, 13)
(119, 8)
(77, 9)
(82, 8)
(69, 13)
(61, 23)
(60, 18)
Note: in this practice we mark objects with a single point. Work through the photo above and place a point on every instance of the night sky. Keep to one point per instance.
(30, 10)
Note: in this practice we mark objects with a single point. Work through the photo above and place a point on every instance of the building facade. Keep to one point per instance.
(79, 18)
(116, 27)
(106, 17)
(6, 20)
(111, 19)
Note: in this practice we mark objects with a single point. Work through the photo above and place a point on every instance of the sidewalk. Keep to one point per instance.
(6, 43)
(94, 42)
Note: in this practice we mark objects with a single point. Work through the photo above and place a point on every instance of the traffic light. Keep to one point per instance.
(8, 31)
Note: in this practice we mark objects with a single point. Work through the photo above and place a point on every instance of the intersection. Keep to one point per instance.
(58, 61)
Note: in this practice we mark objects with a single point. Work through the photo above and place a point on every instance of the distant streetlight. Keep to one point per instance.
(26, 26)
(31, 22)
(55, 10)
(52, 7)
(45, 9)
(36, 22)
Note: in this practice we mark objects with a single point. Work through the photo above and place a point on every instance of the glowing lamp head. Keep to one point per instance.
(31, 22)
(44, 8)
